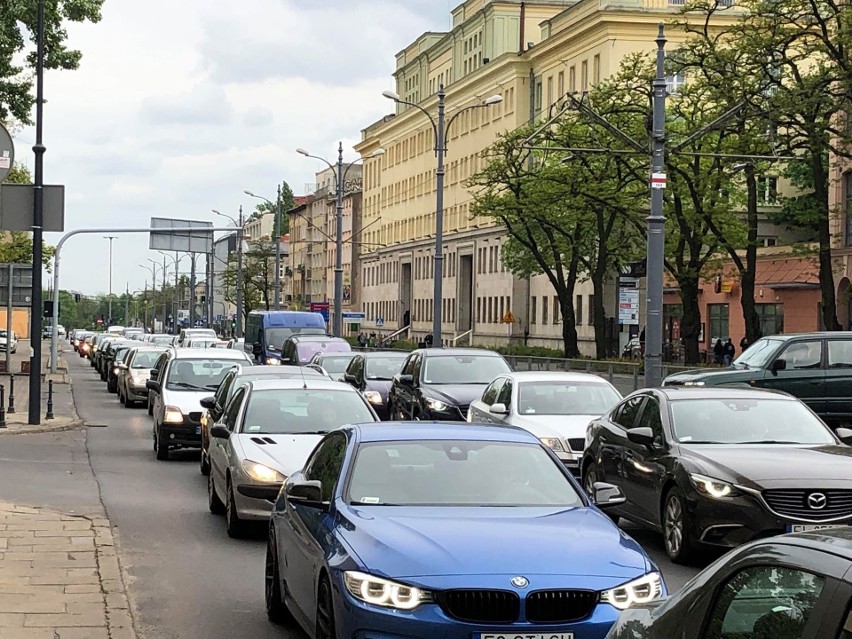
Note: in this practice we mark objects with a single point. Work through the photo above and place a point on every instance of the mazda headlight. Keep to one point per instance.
(373, 397)
(382, 592)
(435, 404)
(713, 487)
(272, 361)
(553, 444)
(262, 474)
(172, 415)
(639, 591)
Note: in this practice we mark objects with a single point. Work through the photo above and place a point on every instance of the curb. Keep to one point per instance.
(76, 422)
(119, 618)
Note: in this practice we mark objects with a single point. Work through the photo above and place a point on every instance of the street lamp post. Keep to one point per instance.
(176, 302)
(110, 238)
(241, 233)
(276, 231)
(440, 130)
(340, 177)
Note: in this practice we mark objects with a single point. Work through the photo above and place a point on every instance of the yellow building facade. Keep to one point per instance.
(531, 54)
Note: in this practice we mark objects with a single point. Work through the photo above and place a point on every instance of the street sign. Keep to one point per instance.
(321, 308)
(380, 321)
(16, 207)
(508, 318)
(628, 307)
(7, 153)
(658, 180)
(353, 317)
(628, 282)
(200, 241)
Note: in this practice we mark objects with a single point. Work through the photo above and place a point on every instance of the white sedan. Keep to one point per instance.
(555, 407)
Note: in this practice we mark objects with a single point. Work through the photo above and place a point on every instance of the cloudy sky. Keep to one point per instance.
(180, 105)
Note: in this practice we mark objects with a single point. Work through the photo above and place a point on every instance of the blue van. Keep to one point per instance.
(266, 332)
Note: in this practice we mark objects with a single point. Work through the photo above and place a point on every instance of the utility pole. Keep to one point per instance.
(110, 238)
(176, 297)
(127, 304)
(438, 275)
(277, 233)
(165, 312)
(240, 232)
(337, 324)
(192, 291)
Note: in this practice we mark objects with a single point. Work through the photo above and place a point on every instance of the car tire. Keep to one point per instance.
(276, 610)
(213, 502)
(591, 474)
(325, 626)
(677, 540)
(162, 451)
(234, 526)
(204, 464)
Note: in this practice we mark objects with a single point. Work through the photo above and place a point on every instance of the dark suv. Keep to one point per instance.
(440, 383)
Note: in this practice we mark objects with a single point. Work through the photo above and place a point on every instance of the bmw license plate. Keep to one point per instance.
(794, 528)
(198, 430)
(526, 635)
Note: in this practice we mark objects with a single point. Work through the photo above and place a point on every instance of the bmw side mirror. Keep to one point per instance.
(607, 495)
(220, 432)
(154, 372)
(152, 385)
(349, 378)
(405, 380)
(306, 493)
(844, 435)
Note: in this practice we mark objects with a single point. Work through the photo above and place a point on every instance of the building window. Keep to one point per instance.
(584, 76)
(556, 310)
(768, 241)
(544, 316)
(591, 314)
(549, 91)
(848, 207)
(538, 96)
(767, 189)
(572, 79)
(560, 84)
(596, 69)
(675, 82)
(578, 310)
(533, 310)
(718, 314)
(771, 318)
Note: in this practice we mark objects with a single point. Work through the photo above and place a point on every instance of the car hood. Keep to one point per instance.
(187, 401)
(380, 386)
(285, 453)
(454, 394)
(402, 542)
(565, 426)
(773, 465)
(715, 376)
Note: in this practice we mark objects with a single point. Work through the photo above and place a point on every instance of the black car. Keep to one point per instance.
(112, 363)
(372, 374)
(789, 587)
(106, 356)
(440, 383)
(720, 466)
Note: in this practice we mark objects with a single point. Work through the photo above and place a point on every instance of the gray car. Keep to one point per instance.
(134, 372)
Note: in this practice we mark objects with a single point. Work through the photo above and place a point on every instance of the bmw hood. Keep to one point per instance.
(564, 426)
(403, 542)
(454, 394)
(285, 453)
(187, 401)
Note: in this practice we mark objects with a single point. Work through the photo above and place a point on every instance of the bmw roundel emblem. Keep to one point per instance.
(520, 582)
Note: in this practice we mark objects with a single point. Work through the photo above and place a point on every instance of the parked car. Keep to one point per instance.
(333, 364)
(266, 331)
(372, 374)
(238, 376)
(6, 342)
(180, 379)
(60, 330)
(555, 407)
(134, 372)
(442, 530)
(440, 383)
(815, 367)
(720, 466)
(300, 350)
(788, 587)
(268, 429)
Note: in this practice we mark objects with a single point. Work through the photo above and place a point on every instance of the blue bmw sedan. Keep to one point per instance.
(458, 531)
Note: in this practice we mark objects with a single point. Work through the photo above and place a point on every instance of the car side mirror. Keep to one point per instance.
(498, 409)
(349, 378)
(154, 372)
(152, 385)
(285, 360)
(641, 436)
(405, 380)
(779, 365)
(122, 366)
(220, 432)
(208, 402)
(307, 493)
(844, 435)
(607, 495)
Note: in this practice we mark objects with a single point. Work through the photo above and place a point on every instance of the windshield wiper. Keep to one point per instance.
(770, 441)
(698, 441)
(303, 432)
(189, 386)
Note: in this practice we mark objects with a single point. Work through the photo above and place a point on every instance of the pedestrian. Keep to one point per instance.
(362, 339)
(372, 340)
(428, 339)
(744, 344)
(642, 342)
(729, 352)
(718, 352)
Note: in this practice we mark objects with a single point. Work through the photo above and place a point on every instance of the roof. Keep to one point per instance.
(555, 376)
(433, 352)
(313, 383)
(442, 431)
(280, 372)
(203, 353)
(719, 392)
(796, 272)
(837, 541)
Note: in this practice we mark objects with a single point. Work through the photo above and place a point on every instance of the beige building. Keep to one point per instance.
(530, 53)
(261, 227)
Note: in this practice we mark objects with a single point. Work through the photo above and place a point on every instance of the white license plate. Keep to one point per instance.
(198, 430)
(526, 635)
(794, 528)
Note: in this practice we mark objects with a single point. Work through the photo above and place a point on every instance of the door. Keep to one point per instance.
(403, 399)
(219, 448)
(612, 439)
(308, 529)
(479, 408)
(803, 375)
(838, 378)
(157, 374)
(644, 471)
(464, 322)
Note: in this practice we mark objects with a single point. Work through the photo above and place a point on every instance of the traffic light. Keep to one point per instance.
(203, 299)
(233, 324)
(48, 309)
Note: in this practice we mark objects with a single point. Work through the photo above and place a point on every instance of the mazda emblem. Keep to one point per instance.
(520, 582)
(817, 501)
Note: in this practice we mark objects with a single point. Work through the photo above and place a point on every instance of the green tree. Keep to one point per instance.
(287, 203)
(17, 24)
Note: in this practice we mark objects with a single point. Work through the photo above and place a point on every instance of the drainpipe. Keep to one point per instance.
(521, 43)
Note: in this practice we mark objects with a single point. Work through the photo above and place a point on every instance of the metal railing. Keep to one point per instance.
(390, 337)
(456, 339)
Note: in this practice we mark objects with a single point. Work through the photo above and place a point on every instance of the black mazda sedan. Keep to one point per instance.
(720, 466)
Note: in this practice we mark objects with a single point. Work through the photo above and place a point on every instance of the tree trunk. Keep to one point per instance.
(690, 325)
(566, 306)
(748, 275)
(599, 314)
(826, 272)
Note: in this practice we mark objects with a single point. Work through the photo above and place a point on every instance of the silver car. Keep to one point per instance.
(8, 343)
(555, 407)
(265, 434)
(134, 372)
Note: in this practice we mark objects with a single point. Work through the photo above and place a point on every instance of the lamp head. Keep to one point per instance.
(377, 153)
(302, 151)
(494, 99)
(391, 95)
(249, 193)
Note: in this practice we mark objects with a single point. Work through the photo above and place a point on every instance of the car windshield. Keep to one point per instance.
(275, 337)
(336, 364)
(202, 342)
(463, 369)
(3, 333)
(384, 367)
(162, 339)
(307, 350)
(566, 398)
(198, 374)
(758, 354)
(747, 421)
(458, 473)
(303, 411)
(145, 359)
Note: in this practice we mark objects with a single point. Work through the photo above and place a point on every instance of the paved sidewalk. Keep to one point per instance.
(59, 577)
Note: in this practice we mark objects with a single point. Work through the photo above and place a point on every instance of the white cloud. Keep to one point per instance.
(180, 106)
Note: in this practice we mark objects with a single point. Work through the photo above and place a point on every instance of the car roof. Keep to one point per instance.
(836, 541)
(312, 383)
(442, 431)
(432, 352)
(219, 353)
(377, 354)
(815, 334)
(280, 372)
(674, 393)
(333, 354)
(314, 338)
(555, 376)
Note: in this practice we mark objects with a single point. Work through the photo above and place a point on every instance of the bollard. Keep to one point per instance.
(11, 409)
(609, 373)
(2, 406)
(635, 378)
(49, 400)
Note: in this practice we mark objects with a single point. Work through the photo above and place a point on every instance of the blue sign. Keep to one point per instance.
(353, 316)
(380, 321)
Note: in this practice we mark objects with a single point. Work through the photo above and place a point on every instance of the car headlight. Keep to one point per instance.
(713, 487)
(382, 592)
(271, 361)
(138, 381)
(115, 370)
(639, 591)
(373, 397)
(261, 473)
(553, 443)
(435, 404)
(173, 415)
(694, 383)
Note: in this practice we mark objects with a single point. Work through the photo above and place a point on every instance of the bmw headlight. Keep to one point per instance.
(382, 592)
(435, 404)
(373, 397)
(263, 474)
(694, 383)
(713, 487)
(639, 591)
(553, 444)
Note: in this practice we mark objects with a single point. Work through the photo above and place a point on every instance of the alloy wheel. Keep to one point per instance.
(673, 527)
(325, 612)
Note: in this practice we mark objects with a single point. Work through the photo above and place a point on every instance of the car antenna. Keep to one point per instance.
(304, 381)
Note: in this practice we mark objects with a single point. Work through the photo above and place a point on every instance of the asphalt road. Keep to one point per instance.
(188, 580)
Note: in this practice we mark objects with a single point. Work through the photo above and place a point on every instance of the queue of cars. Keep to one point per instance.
(489, 508)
